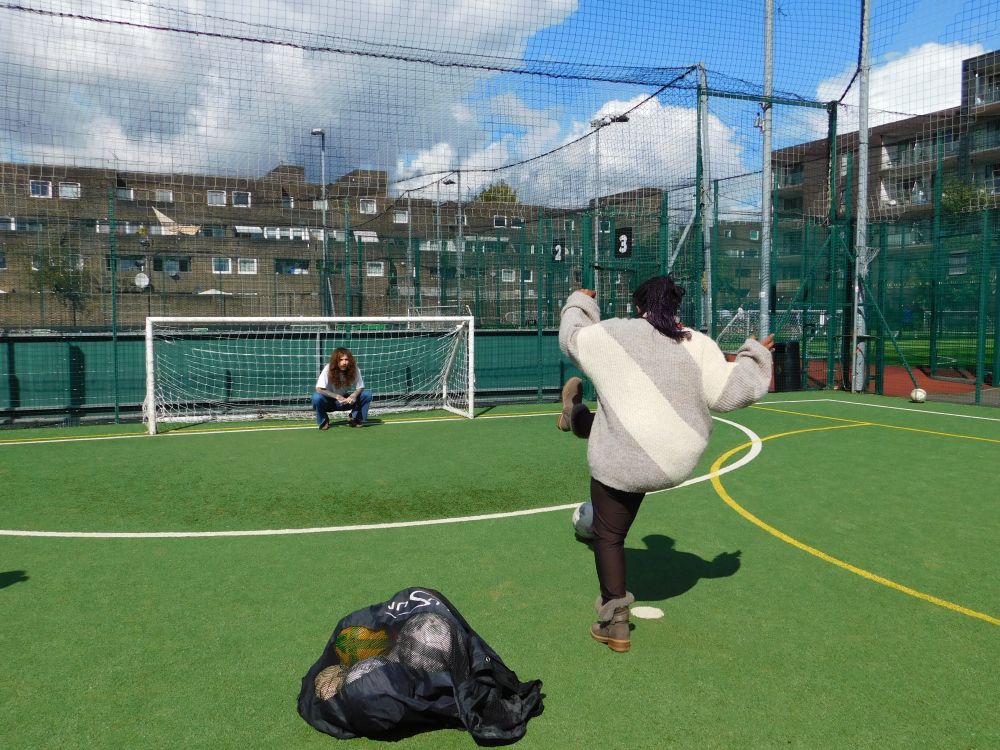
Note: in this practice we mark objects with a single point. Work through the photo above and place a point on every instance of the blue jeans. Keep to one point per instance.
(359, 409)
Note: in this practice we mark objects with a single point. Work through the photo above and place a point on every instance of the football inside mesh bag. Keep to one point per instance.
(412, 664)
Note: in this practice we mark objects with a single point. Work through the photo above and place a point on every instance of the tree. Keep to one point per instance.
(958, 196)
(498, 192)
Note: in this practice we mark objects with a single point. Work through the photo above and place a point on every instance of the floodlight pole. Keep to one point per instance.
(706, 198)
(859, 366)
(598, 124)
(766, 193)
(597, 203)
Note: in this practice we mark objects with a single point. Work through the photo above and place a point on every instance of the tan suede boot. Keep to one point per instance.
(612, 626)
(572, 394)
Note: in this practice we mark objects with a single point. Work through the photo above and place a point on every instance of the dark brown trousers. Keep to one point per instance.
(614, 512)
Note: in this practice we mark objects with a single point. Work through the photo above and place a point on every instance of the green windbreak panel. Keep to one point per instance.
(78, 374)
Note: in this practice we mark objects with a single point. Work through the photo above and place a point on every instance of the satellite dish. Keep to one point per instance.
(141, 280)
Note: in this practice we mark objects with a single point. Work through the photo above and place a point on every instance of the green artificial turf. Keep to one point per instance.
(201, 643)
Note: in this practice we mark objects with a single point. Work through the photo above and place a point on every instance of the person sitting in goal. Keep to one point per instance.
(656, 382)
(340, 387)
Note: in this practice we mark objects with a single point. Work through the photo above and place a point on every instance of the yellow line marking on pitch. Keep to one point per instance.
(880, 424)
(717, 483)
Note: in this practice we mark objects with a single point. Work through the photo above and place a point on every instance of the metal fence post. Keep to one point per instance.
(984, 288)
(114, 300)
(539, 287)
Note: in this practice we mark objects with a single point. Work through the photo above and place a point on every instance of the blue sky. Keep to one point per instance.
(143, 99)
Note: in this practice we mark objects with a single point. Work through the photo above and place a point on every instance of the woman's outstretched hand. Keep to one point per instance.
(766, 342)
(589, 292)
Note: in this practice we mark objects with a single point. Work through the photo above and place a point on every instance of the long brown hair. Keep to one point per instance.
(339, 379)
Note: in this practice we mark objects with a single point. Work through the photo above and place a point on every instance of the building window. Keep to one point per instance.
(248, 232)
(216, 197)
(516, 222)
(126, 263)
(171, 265)
(40, 189)
(367, 206)
(241, 199)
(125, 194)
(247, 265)
(164, 196)
(375, 268)
(606, 227)
(295, 267)
(528, 277)
(8, 223)
(500, 221)
(400, 217)
(271, 233)
(222, 265)
(287, 201)
(507, 275)
(569, 225)
(728, 234)
(299, 233)
(212, 230)
(31, 225)
(792, 204)
(69, 190)
(755, 234)
(958, 263)
(3, 262)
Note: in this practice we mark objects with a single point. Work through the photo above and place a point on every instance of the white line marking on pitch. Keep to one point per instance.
(879, 406)
(240, 430)
(754, 451)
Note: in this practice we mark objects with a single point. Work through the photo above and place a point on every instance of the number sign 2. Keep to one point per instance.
(558, 251)
(623, 242)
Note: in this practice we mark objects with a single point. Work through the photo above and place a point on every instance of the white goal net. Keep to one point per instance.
(217, 369)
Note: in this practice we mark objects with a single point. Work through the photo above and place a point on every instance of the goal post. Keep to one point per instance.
(201, 369)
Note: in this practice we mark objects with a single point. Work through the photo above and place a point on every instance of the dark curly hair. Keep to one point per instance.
(659, 298)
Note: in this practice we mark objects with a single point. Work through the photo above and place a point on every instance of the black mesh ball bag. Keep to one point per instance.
(413, 664)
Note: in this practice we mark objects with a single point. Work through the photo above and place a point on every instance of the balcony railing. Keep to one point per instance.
(985, 140)
(921, 153)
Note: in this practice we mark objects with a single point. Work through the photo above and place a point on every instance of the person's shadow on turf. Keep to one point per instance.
(10, 577)
(661, 572)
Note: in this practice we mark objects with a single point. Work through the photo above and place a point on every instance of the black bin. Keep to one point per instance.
(787, 367)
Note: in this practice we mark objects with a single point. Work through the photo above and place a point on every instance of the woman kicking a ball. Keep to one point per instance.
(656, 382)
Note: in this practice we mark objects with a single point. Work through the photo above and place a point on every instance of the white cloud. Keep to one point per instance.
(85, 93)
(922, 80)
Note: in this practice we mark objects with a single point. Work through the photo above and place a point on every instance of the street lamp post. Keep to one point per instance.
(325, 277)
(598, 124)
(443, 287)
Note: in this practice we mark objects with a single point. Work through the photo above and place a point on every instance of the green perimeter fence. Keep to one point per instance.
(930, 299)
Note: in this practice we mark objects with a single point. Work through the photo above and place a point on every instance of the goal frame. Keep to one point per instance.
(469, 321)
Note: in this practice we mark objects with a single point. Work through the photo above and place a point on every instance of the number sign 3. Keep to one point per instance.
(623, 243)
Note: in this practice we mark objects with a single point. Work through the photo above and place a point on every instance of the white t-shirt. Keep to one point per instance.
(344, 390)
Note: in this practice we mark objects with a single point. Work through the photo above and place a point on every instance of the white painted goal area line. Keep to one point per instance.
(755, 449)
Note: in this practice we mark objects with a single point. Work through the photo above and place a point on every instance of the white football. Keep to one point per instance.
(918, 395)
(583, 521)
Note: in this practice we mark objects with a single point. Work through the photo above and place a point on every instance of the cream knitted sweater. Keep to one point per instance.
(654, 394)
